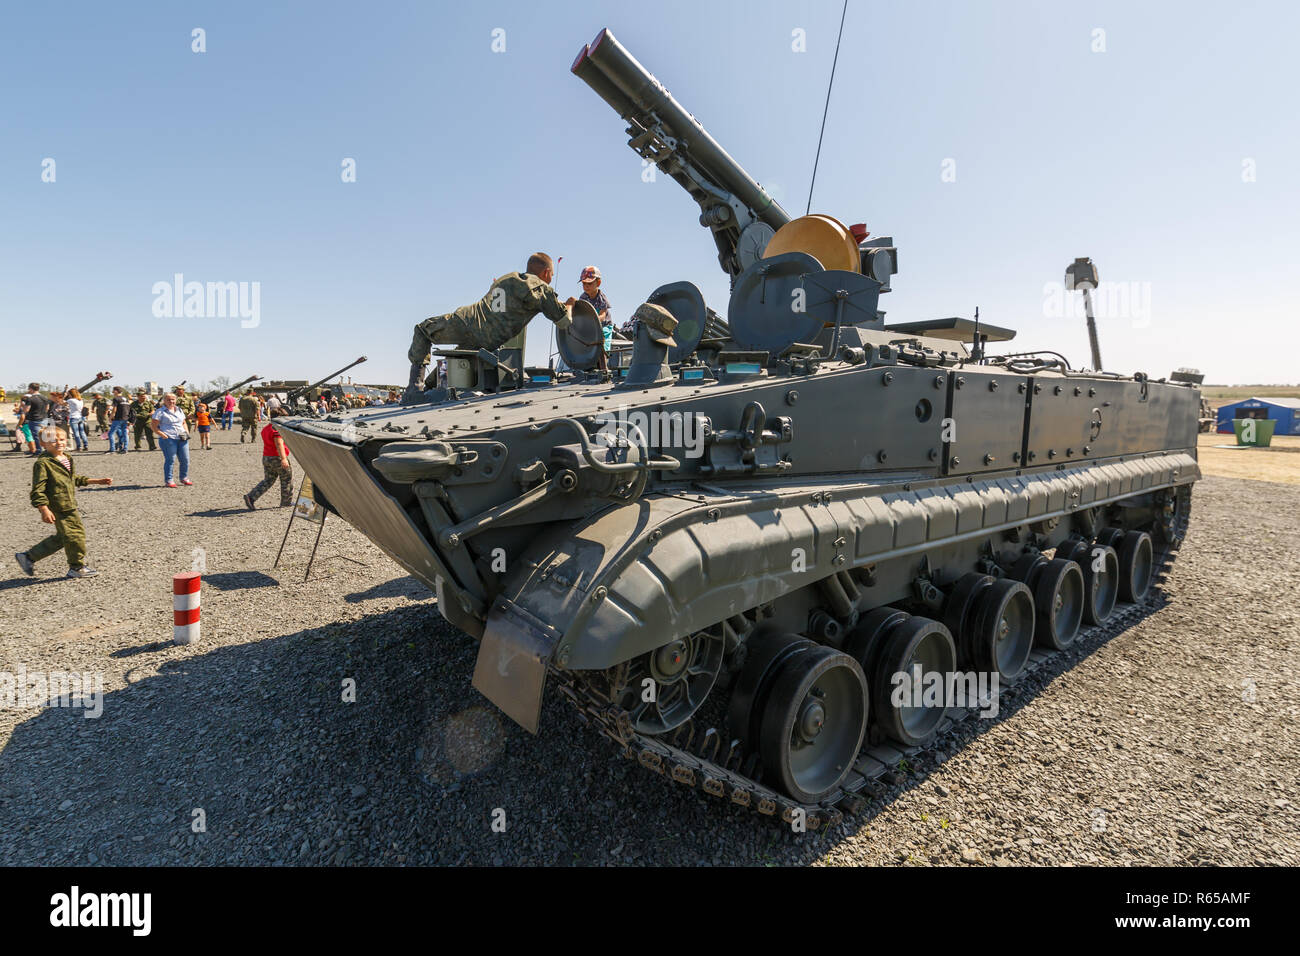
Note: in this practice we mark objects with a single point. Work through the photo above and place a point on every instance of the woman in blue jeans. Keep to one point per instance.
(77, 411)
(168, 423)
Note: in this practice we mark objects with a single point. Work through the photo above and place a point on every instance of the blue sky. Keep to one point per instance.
(225, 166)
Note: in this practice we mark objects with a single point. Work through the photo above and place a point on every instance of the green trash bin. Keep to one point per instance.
(1263, 428)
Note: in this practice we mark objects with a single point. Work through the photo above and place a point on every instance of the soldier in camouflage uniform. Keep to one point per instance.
(493, 320)
(186, 404)
(100, 408)
(54, 494)
(249, 415)
(142, 409)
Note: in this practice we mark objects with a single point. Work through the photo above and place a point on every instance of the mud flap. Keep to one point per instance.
(512, 659)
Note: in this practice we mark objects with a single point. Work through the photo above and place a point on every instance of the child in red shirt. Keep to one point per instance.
(205, 426)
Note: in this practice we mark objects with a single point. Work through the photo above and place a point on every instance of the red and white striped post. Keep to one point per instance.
(185, 608)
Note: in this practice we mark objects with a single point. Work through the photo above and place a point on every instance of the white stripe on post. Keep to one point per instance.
(185, 608)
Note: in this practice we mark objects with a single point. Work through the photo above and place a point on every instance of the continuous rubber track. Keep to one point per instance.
(707, 761)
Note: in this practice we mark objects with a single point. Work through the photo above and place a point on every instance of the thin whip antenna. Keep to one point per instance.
(550, 349)
(826, 108)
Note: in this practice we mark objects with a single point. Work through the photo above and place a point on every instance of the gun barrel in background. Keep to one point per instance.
(301, 390)
(615, 75)
(207, 398)
(100, 377)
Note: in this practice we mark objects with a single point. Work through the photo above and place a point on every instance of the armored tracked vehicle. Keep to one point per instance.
(744, 556)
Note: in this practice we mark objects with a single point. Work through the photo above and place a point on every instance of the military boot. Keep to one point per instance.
(414, 393)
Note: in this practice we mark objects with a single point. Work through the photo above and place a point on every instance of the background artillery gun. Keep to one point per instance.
(309, 393)
(99, 377)
(207, 398)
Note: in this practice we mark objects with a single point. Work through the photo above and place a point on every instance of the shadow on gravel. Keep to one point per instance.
(240, 580)
(39, 579)
(219, 512)
(261, 738)
(149, 648)
(407, 587)
(19, 583)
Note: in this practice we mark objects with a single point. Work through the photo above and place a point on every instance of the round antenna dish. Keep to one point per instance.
(761, 312)
(685, 301)
(578, 344)
(753, 241)
(823, 237)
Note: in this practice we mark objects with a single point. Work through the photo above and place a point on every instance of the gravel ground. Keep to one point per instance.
(1172, 742)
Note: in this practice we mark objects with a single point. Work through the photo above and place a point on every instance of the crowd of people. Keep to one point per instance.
(117, 415)
(48, 423)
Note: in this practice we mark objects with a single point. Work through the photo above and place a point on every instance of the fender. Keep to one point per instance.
(689, 561)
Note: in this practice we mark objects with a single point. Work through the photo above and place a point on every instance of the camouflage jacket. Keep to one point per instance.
(508, 306)
(141, 410)
(53, 485)
(186, 404)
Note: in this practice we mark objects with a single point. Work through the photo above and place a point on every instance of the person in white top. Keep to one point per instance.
(168, 423)
(77, 420)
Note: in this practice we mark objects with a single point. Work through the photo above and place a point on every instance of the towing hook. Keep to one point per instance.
(666, 463)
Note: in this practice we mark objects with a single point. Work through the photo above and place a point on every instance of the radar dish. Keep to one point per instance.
(824, 238)
(579, 342)
(685, 301)
(753, 241)
(767, 311)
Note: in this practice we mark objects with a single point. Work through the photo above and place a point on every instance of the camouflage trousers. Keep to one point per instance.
(69, 536)
(272, 469)
(250, 429)
(142, 430)
(452, 329)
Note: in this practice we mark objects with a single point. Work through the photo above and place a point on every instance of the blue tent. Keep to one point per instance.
(1284, 411)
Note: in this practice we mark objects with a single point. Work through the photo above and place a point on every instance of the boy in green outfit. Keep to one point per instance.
(54, 484)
